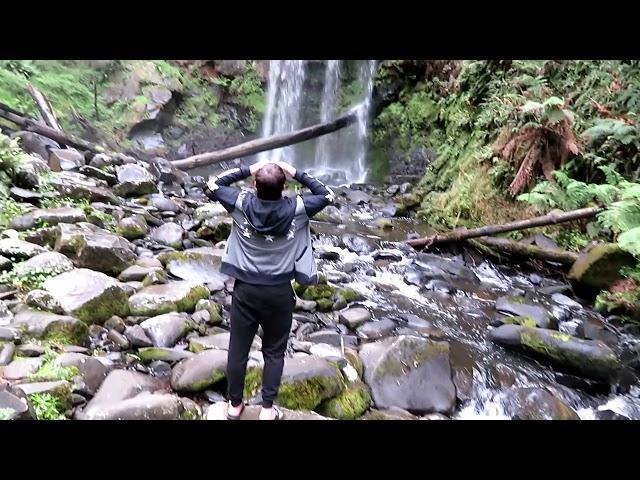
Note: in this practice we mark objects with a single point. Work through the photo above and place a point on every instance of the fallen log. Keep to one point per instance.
(44, 106)
(544, 220)
(60, 137)
(262, 144)
(531, 251)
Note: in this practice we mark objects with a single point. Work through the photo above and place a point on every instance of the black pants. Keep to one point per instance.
(270, 306)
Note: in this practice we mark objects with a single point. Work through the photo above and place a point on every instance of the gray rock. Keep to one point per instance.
(6, 353)
(5, 314)
(592, 359)
(94, 172)
(9, 334)
(135, 273)
(50, 216)
(127, 395)
(565, 301)
(164, 204)
(165, 330)
(5, 263)
(134, 180)
(331, 337)
(356, 244)
(200, 371)
(81, 187)
(537, 404)
(411, 373)
(21, 368)
(41, 324)
(65, 159)
(354, 317)
(27, 173)
(118, 339)
(15, 404)
(115, 323)
(307, 381)
(169, 234)
(375, 330)
(92, 370)
(12, 247)
(197, 265)
(172, 297)
(52, 263)
(514, 306)
(43, 300)
(90, 296)
(133, 227)
(393, 413)
(137, 336)
(26, 196)
(593, 328)
(387, 254)
(219, 341)
(30, 350)
(91, 247)
(150, 354)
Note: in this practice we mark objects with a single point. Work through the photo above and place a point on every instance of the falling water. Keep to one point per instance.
(284, 95)
(328, 111)
(341, 155)
(367, 77)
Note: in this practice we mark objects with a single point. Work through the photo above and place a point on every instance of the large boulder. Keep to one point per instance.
(19, 249)
(14, 404)
(90, 296)
(50, 216)
(165, 330)
(307, 381)
(197, 265)
(354, 317)
(127, 395)
(49, 326)
(169, 234)
(94, 248)
(196, 373)
(134, 180)
(65, 159)
(536, 404)
(600, 266)
(593, 359)
(133, 227)
(350, 404)
(155, 300)
(80, 187)
(49, 263)
(356, 244)
(410, 373)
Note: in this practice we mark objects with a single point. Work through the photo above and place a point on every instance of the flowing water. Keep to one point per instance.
(485, 373)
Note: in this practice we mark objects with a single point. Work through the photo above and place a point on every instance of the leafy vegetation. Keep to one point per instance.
(51, 370)
(48, 406)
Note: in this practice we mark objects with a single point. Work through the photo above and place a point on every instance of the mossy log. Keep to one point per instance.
(517, 248)
(465, 234)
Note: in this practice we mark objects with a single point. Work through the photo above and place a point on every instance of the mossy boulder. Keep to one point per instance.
(171, 297)
(411, 373)
(215, 229)
(316, 292)
(165, 330)
(354, 360)
(588, 358)
(61, 329)
(133, 227)
(149, 354)
(350, 404)
(600, 267)
(196, 265)
(516, 306)
(196, 373)
(92, 297)
(307, 381)
(215, 310)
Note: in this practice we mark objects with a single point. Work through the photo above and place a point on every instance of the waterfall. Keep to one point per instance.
(339, 157)
(328, 109)
(284, 95)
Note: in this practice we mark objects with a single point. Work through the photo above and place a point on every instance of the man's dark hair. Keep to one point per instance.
(270, 181)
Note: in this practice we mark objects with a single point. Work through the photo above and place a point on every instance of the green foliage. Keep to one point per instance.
(26, 281)
(572, 240)
(6, 413)
(51, 370)
(10, 209)
(48, 406)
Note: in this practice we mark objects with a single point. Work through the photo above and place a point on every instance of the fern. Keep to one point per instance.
(630, 241)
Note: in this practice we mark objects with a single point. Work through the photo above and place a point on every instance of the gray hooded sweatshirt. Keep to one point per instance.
(270, 240)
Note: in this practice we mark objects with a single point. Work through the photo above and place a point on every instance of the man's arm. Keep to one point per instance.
(218, 187)
(321, 195)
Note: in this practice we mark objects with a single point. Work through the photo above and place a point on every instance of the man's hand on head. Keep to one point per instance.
(257, 166)
(288, 169)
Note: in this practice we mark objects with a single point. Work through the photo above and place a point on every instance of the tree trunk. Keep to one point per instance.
(262, 144)
(45, 108)
(464, 234)
(60, 137)
(531, 251)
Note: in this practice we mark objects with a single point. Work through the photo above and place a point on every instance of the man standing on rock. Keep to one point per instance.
(269, 246)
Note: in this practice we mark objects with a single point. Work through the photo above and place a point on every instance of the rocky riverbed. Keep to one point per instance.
(113, 307)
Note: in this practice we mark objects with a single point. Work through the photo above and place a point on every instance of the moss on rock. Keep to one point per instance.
(316, 292)
(350, 404)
